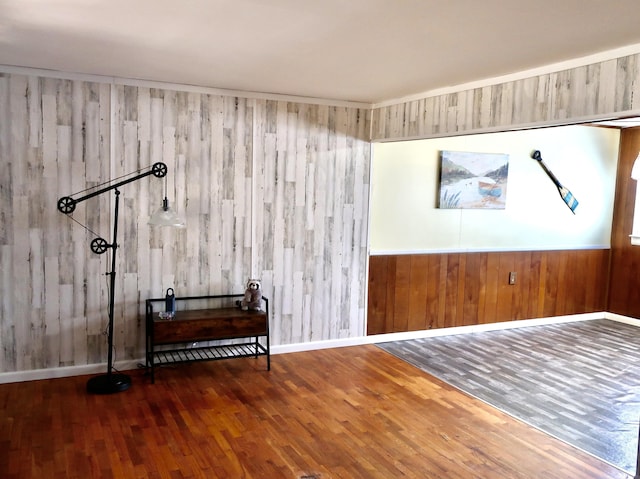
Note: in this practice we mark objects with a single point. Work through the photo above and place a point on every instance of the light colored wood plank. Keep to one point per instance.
(47, 331)
(8, 308)
(64, 352)
(20, 288)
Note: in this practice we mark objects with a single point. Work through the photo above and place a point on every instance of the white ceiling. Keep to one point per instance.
(350, 50)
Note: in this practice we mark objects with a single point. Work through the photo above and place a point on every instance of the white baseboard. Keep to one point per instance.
(431, 333)
(63, 372)
(622, 319)
(51, 373)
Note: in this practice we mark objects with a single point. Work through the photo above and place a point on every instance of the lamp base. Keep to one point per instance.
(108, 384)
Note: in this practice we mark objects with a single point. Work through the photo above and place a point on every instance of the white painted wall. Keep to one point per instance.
(405, 181)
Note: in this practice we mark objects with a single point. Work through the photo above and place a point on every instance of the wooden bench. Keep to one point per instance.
(173, 341)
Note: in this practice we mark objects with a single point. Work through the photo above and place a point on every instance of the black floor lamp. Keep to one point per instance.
(112, 382)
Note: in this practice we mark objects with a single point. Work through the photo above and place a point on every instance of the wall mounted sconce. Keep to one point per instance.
(635, 233)
(635, 171)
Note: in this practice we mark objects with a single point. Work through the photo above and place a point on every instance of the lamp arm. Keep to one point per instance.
(67, 205)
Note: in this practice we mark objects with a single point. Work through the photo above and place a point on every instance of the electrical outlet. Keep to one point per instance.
(512, 277)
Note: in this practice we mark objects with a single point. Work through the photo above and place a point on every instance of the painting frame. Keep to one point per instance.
(473, 180)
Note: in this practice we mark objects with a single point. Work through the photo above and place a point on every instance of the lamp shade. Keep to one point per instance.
(635, 171)
(165, 216)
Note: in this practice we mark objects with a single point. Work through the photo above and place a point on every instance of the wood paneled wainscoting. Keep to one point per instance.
(426, 291)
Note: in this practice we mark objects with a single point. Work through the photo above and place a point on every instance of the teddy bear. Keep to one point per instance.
(252, 296)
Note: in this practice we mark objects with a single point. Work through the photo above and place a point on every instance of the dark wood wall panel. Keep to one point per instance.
(428, 291)
(624, 286)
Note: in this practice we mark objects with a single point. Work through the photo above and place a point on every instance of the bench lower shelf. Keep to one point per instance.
(209, 353)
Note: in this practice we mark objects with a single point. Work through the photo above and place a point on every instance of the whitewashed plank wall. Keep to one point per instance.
(311, 188)
(610, 87)
(52, 140)
(275, 190)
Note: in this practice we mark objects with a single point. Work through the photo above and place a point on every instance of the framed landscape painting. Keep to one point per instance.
(473, 180)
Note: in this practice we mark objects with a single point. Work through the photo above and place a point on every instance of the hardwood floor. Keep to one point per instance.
(353, 412)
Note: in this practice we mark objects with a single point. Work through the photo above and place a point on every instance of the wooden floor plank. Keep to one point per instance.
(354, 412)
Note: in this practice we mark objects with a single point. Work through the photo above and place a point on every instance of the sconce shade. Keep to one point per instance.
(635, 171)
(635, 233)
(165, 216)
